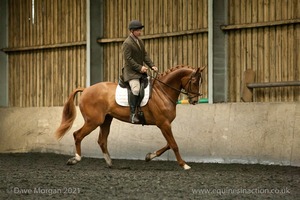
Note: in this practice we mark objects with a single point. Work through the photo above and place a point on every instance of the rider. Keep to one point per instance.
(135, 56)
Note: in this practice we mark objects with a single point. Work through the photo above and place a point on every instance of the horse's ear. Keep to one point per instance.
(202, 68)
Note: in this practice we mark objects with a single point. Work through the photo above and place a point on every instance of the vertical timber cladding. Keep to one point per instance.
(263, 35)
(47, 51)
(175, 33)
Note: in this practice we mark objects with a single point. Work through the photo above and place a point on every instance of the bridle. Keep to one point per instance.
(190, 94)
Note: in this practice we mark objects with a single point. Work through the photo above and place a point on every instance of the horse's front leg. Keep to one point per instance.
(167, 133)
(157, 153)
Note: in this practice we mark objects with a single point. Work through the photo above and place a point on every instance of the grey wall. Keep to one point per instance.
(95, 18)
(3, 56)
(219, 52)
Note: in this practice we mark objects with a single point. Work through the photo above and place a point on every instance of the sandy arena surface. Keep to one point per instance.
(46, 176)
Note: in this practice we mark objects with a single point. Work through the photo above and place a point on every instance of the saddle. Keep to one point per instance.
(122, 94)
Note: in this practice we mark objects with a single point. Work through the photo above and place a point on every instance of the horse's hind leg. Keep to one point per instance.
(78, 137)
(157, 153)
(102, 140)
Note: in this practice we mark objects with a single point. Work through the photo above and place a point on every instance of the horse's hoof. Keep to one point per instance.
(186, 167)
(148, 157)
(72, 161)
(109, 165)
(107, 160)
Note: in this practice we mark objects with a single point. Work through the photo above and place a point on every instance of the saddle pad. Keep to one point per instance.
(122, 96)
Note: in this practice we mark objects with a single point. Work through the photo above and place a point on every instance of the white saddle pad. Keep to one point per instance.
(122, 96)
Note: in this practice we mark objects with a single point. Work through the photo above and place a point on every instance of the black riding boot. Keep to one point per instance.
(132, 103)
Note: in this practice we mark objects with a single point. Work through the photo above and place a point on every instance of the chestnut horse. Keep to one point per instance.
(98, 108)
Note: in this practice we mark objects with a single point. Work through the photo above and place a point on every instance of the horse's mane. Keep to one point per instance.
(174, 69)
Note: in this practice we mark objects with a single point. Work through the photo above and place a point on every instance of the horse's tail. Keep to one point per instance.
(68, 115)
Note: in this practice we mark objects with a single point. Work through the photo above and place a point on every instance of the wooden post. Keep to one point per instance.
(247, 93)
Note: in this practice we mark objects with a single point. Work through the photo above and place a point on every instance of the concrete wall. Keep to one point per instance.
(266, 133)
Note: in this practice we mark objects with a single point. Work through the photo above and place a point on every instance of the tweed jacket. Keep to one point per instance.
(135, 56)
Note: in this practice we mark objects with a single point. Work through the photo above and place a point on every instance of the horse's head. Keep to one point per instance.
(191, 85)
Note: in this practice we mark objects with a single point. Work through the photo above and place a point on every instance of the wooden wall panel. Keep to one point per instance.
(47, 56)
(46, 52)
(263, 35)
(175, 33)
